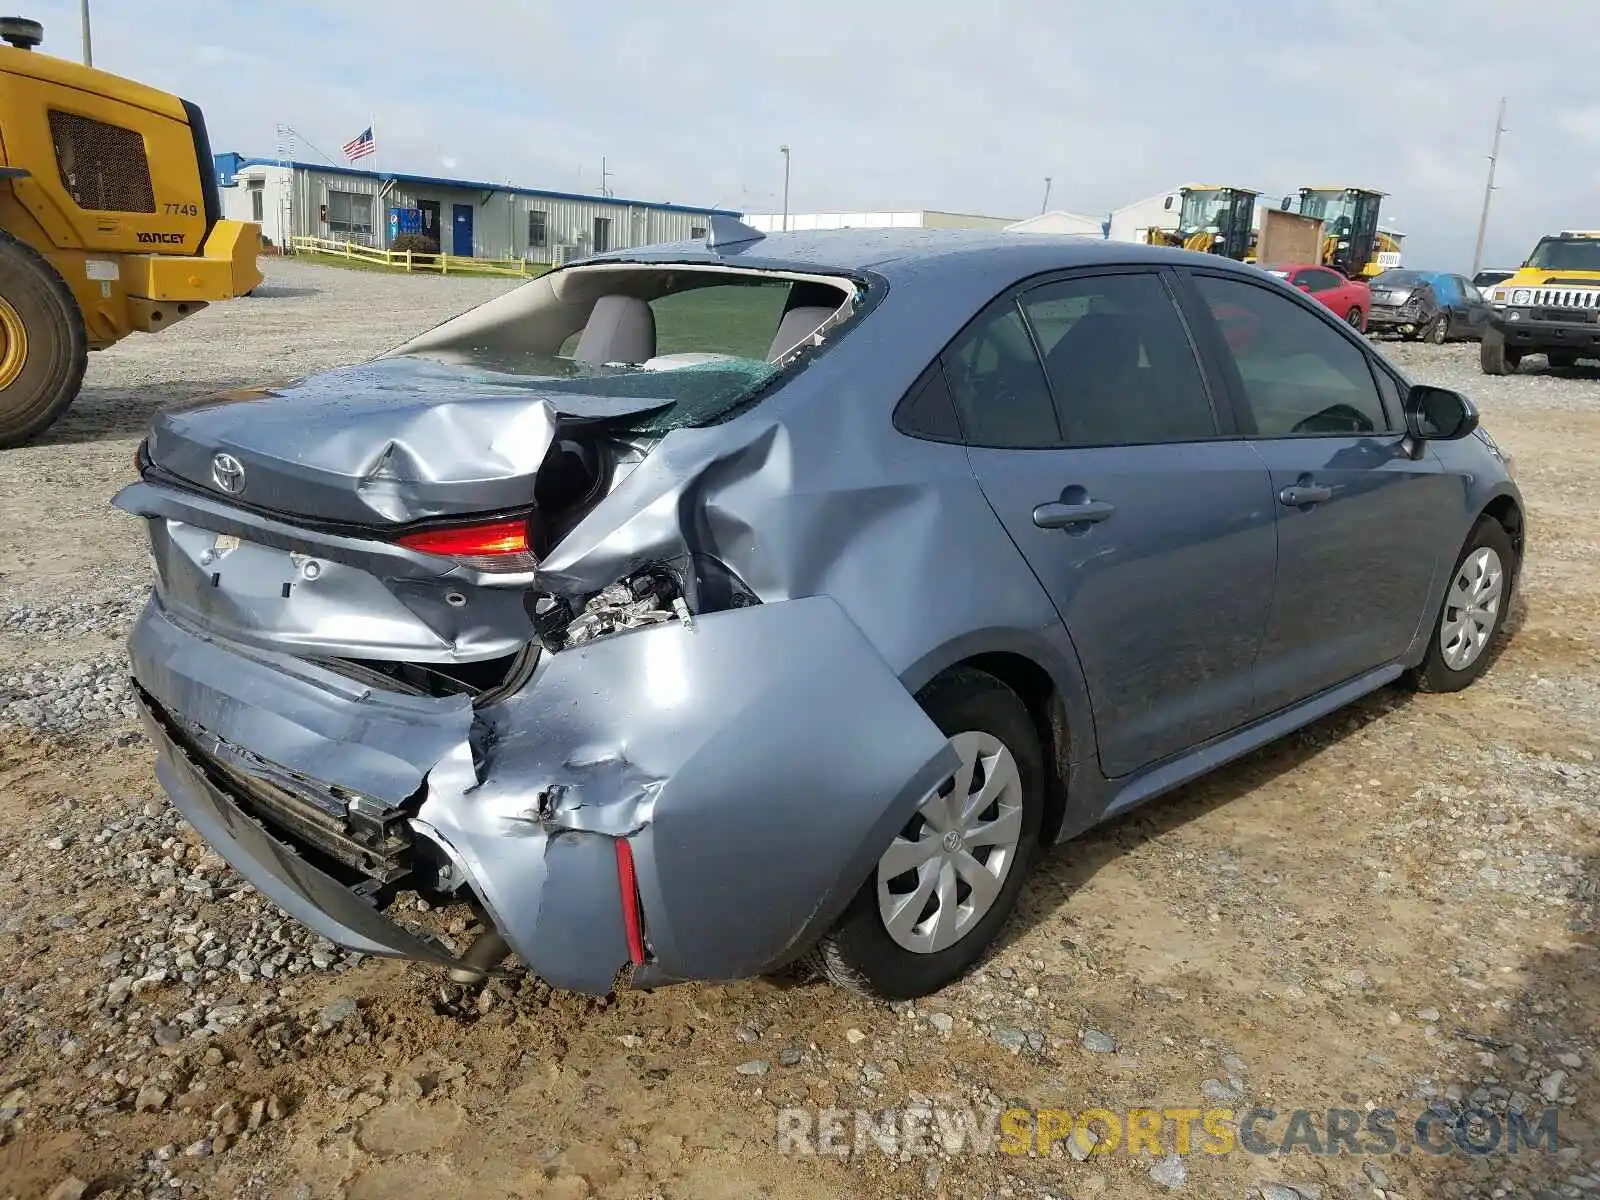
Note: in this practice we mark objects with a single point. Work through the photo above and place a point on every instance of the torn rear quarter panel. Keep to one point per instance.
(758, 759)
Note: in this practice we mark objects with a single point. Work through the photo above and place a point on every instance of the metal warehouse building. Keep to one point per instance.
(482, 220)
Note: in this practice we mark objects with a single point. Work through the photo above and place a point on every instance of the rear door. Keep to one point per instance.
(1358, 517)
(1095, 438)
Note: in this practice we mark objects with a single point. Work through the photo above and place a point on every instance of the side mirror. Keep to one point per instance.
(1435, 414)
(1168, 204)
(1288, 203)
(1302, 285)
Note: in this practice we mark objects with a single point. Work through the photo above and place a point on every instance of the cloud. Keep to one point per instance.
(904, 104)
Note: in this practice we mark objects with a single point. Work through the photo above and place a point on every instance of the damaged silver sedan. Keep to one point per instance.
(705, 610)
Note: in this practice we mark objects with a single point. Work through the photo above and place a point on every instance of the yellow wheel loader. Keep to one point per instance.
(1351, 242)
(110, 223)
(1211, 220)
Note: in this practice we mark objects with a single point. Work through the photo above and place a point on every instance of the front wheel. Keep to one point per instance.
(1354, 318)
(1562, 359)
(1438, 332)
(1476, 601)
(1495, 357)
(945, 885)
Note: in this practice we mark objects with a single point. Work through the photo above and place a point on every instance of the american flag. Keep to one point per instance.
(361, 146)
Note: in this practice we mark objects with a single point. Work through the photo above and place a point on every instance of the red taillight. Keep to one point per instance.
(488, 546)
(628, 886)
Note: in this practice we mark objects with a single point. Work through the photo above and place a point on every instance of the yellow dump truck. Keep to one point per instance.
(110, 223)
(1551, 306)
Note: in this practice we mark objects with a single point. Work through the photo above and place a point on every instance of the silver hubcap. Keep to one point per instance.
(1471, 609)
(945, 869)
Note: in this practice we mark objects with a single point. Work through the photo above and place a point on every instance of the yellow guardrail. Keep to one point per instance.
(413, 260)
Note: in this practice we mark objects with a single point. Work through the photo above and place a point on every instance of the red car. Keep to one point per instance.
(1350, 299)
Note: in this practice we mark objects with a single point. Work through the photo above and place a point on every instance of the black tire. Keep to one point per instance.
(1495, 357)
(57, 346)
(1436, 675)
(1562, 359)
(1353, 319)
(1438, 330)
(858, 952)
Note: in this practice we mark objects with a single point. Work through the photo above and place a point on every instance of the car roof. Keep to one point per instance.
(902, 252)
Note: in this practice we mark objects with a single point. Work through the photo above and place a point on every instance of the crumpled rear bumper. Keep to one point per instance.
(755, 761)
(283, 875)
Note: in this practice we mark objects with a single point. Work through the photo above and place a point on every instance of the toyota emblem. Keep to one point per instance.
(228, 473)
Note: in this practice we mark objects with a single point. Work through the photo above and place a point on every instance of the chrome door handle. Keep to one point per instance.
(1300, 494)
(1057, 515)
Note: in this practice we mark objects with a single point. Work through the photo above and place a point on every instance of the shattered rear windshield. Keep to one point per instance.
(713, 352)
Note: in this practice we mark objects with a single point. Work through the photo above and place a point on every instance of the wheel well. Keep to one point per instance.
(1504, 510)
(1032, 683)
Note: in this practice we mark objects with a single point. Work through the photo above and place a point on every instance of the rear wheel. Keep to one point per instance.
(947, 882)
(43, 348)
(1562, 359)
(1476, 601)
(1495, 357)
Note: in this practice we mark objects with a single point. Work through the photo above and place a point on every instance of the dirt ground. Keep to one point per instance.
(1394, 909)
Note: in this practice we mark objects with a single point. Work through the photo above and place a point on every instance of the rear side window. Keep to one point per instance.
(998, 385)
(1300, 377)
(1119, 361)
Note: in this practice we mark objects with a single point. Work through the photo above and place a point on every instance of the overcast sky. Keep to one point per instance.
(909, 104)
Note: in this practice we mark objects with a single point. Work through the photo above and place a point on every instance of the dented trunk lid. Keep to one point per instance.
(386, 443)
(295, 546)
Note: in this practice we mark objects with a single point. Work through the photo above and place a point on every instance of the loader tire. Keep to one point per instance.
(43, 346)
(1495, 357)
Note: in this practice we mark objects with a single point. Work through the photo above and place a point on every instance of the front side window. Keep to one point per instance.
(1119, 362)
(998, 385)
(1300, 376)
(1318, 281)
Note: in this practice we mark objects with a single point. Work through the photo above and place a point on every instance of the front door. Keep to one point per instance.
(430, 221)
(602, 234)
(461, 231)
(1151, 530)
(1358, 517)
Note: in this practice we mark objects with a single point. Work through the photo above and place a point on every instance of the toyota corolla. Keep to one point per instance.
(700, 611)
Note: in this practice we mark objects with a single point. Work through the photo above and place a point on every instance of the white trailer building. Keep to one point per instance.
(481, 220)
(922, 219)
(1128, 224)
(1058, 222)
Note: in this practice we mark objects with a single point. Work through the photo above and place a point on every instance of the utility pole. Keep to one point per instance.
(604, 175)
(1488, 190)
(1045, 203)
(88, 58)
(784, 150)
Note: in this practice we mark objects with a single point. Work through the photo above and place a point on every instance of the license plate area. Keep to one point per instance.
(288, 599)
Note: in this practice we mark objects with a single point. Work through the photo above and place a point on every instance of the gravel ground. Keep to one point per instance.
(1395, 908)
